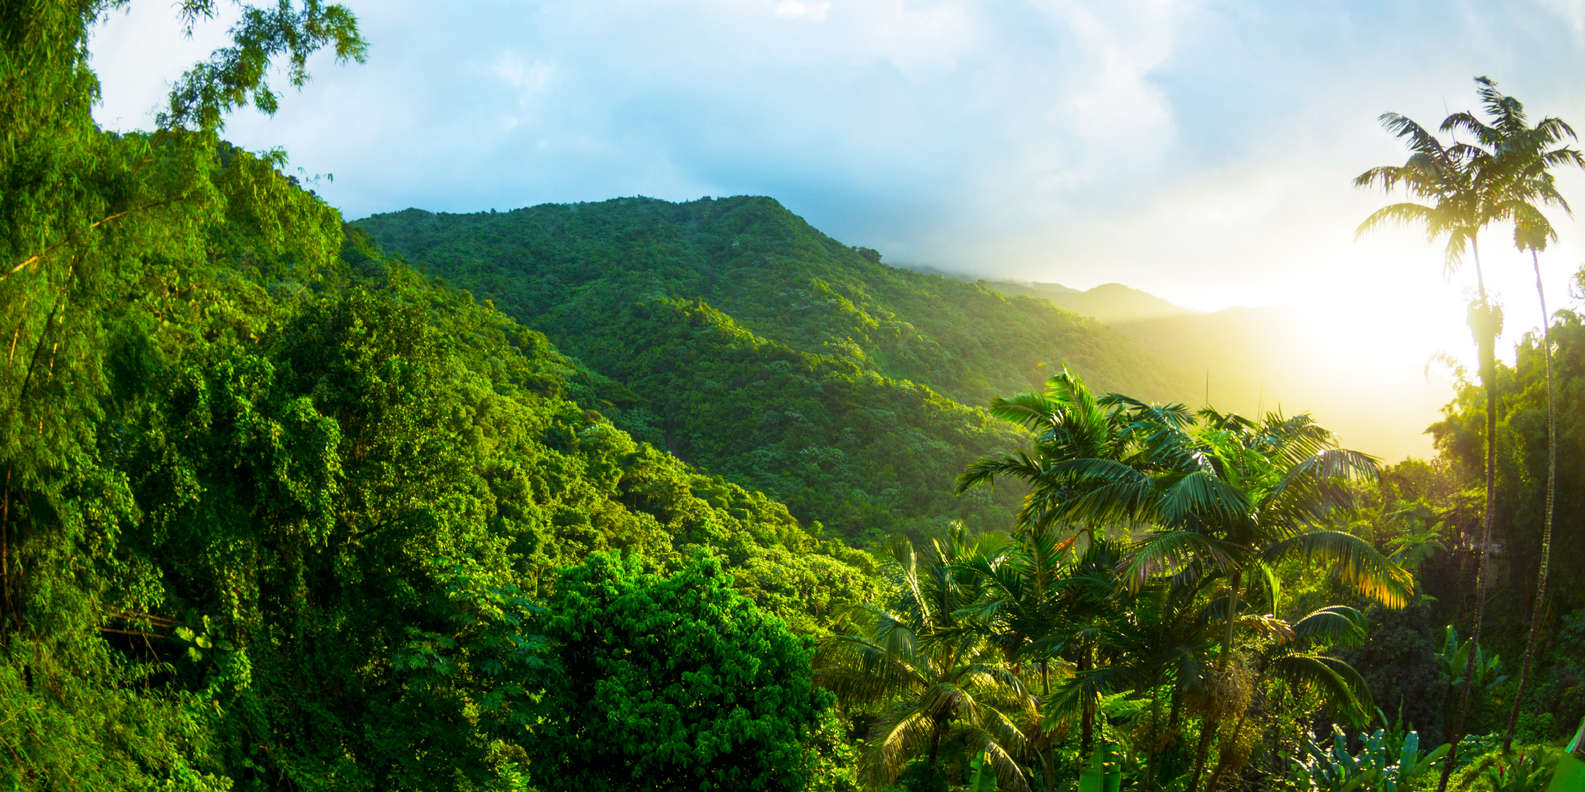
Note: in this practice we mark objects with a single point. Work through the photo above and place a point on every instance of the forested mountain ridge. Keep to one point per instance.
(1253, 358)
(1109, 302)
(776, 276)
(773, 354)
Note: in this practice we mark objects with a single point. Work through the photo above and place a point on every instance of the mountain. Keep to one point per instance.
(768, 352)
(1109, 302)
(1251, 360)
(287, 509)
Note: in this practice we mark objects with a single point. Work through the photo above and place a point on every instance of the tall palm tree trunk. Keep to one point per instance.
(1485, 322)
(1087, 720)
(1155, 733)
(1551, 498)
(1212, 724)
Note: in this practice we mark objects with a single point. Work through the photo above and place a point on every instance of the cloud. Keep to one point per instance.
(792, 9)
(1199, 150)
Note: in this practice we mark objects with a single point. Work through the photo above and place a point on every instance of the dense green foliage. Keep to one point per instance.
(279, 512)
(766, 351)
(276, 512)
(322, 470)
(1521, 477)
(669, 684)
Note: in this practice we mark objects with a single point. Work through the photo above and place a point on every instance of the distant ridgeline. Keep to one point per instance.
(750, 343)
(1252, 360)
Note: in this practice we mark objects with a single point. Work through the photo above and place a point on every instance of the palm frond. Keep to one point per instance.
(896, 737)
(1202, 496)
(986, 470)
(1353, 561)
(1167, 552)
(1419, 140)
(1336, 624)
(1337, 680)
(1403, 213)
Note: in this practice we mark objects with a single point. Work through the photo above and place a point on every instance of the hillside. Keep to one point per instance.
(1109, 302)
(1255, 359)
(768, 352)
(284, 506)
(777, 277)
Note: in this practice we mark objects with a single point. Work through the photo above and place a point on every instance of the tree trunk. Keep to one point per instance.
(1539, 603)
(1211, 724)
(1155, 752)
(1207, 728)
(1087, 719)
(1486, 323)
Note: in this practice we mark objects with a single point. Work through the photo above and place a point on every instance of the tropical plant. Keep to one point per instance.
(1385, 763)
(1231, 497)
(1066, 422)
(932, 669)
(1515, 163)
(1530, 770)
(1209, 495)
(1485, 667)
(1453, 183)
(1091, 631)
(1296, 654)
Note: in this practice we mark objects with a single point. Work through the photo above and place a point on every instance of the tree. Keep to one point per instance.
(1459, 201)
(76, 205)
(1515, 164)
(669, 683)
(934, 671)
(1066, 422)
(91, 223)
(1233, 496)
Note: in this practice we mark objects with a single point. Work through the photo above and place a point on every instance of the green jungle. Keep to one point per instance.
(648, 495)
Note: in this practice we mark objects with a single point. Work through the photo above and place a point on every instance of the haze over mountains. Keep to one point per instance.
(705, 297)
(1109, 302)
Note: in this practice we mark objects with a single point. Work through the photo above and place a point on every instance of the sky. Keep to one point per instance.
(1200, 151)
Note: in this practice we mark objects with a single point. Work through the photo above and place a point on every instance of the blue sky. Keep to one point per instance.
(1198, 150)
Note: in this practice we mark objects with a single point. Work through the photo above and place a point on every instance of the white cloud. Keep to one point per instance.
(1201, 151)
(793, 9)
(525, 76)
(1570, 11)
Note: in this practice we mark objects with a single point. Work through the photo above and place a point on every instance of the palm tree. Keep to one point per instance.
(1516, 161)
(1293, 654)
(1459, 203)
(932, 668)
(1067, 422)
(1057, 605)
(1232, 496)
(1158, 640)
(1022, 587)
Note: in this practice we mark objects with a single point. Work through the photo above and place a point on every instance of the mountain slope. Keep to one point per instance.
(777, 277)
(1111, 303)
(768, 352)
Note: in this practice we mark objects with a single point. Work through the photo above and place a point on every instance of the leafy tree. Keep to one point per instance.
(669, 683)
(1234, 495)
(930, 666)
(1516, 161)
(1460, 199)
